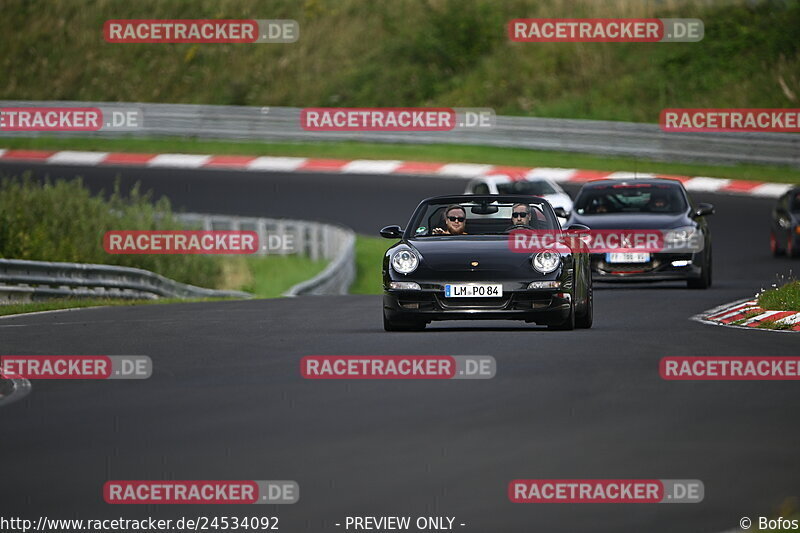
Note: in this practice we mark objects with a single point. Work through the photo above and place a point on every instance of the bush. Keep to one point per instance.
(62, 221)
(452, 53)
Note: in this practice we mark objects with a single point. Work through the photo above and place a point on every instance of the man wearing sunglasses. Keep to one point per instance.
(521, 217)
(455, 218)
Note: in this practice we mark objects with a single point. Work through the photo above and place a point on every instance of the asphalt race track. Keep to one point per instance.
(226, 400)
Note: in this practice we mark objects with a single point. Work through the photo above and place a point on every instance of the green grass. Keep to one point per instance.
(785, 298)
(272, 276)
(772, 324)
(408, 53)
(747, 316)
(411, 152)
(63, 221)
(369, 258)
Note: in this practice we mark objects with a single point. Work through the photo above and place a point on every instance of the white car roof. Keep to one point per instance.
(502, 178)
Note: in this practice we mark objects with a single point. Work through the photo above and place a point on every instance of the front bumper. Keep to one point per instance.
(543, 306)
(659, 268)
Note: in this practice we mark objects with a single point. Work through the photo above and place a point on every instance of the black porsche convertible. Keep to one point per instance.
(455, 261)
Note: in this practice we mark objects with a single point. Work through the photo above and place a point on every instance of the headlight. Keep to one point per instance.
(405, 261)
(546, 262)
(404, 285)
(682, 239)
(544, 285)
(679, 236)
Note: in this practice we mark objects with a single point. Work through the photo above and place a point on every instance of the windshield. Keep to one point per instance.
(437, 219)
(533, 188)
(794, 203)
(633, 198)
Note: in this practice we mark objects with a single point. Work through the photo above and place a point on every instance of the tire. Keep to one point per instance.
(393, 325)
(585, 320)
(704, 281)
(710, 268)
(568, 324)
(774, 246)
(791, 250)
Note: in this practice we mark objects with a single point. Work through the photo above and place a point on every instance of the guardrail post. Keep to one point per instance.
(300, 238)
(261, 230)
(314, 242)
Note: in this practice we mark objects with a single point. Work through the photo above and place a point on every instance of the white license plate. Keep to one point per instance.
(473, 290)
(627, 258)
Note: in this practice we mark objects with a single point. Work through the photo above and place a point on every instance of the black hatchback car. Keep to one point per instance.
(784, 235)
(655, 204)
(455, 261)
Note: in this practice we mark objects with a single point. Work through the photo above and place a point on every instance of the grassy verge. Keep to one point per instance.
(785, 298)
(411, 152)
(61, 221)
(272, 276)
(369, 258)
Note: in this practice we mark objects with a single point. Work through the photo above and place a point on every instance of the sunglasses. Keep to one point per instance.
(453, 219)
(520, 215)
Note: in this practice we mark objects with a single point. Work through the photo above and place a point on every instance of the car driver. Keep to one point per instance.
(454, 220)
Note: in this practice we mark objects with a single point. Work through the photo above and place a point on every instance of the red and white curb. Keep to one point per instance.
(726, 315)
(369, 166)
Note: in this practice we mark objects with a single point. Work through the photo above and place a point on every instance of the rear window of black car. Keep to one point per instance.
(794, 203)
(630, 198)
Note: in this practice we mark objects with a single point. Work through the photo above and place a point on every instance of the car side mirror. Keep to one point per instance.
(392, 232)
(704, 210)
(578, 228)
(579, 237)
(561, 212)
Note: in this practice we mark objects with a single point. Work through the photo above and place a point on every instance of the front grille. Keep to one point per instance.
(473, 303)
(635, 267)
(626, 267)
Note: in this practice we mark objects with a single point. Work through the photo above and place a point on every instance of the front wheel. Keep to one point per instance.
(791, 249)
(773, 245)
(395, 325)
(585, 320)
(704, 281)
